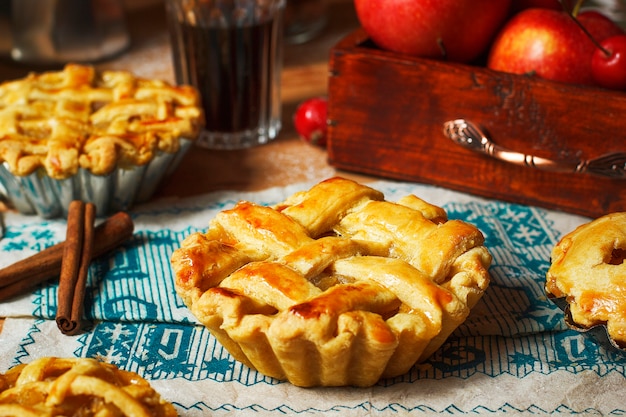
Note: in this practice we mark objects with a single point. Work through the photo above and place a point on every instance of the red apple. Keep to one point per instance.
(457, 30)
(310, 120)
(599, 26)
(546, 43)
(608, 64)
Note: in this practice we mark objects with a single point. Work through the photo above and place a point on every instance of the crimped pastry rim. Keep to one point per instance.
(599, 332)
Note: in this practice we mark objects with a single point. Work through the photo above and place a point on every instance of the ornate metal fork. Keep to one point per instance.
(468, 135)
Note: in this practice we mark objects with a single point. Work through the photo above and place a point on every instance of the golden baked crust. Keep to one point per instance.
(79, 117)
(78, 387)
(334, 286)
(588, 268)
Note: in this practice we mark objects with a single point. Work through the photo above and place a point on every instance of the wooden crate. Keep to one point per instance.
(387, 111)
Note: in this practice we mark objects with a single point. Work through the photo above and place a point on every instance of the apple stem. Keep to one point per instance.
(576, 8)
(573, 15)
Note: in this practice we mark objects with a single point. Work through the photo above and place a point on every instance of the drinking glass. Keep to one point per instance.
(231, 51)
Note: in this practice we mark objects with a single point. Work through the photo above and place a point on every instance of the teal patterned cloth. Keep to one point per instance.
(513, 355)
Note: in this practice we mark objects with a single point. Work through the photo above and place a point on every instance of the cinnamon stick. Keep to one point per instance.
(77, 255)
(23, 275)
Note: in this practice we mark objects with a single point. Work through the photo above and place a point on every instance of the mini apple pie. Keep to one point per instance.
(78, 387)
(59, 124)
(588, 272)
(334, 286)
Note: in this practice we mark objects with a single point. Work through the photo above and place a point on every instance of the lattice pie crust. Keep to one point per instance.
(78, 387)
(78, 117)
(334, 286)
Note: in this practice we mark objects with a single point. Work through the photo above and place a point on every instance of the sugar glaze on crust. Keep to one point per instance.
(334, 286)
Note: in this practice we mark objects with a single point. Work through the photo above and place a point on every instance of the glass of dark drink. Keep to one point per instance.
(231, 51)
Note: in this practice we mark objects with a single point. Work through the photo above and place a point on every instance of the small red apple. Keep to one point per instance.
(310, 120)
(608, 64)
(456, 30)
(546, 43)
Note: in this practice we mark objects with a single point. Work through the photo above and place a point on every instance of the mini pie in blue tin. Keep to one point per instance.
(587, 279)
(107, 137)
